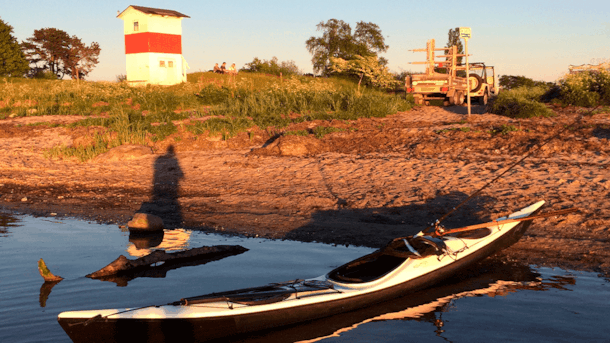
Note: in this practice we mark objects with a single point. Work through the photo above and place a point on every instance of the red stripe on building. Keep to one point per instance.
(153, 42)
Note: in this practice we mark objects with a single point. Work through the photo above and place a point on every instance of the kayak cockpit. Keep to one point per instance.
(373, 266)
(361, 271)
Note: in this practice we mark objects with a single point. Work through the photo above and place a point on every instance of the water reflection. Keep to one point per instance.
(142, 244)
(168, 240)
(144, 241)
(6, 222)
(45, 291)
(541, 310)
(491, 278)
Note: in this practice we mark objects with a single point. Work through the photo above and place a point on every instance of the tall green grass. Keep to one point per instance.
(235, 104)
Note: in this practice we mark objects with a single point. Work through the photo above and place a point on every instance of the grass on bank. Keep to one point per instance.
(229, 105)
(586, 89)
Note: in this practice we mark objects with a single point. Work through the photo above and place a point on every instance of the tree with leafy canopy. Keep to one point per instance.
(45, 49)
(12, 59)
(80, 59)
(367, 68)
(454, 39)
(56, 51)
(338, 41)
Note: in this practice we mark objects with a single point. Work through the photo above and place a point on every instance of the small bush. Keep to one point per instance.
(508, 82)
(522, 102)
(272, 67)
(504, 129)
(321, 131)
(586, 89)
(45, 75)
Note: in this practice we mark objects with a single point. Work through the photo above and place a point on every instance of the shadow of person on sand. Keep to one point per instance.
(164, 201)
(375, 227)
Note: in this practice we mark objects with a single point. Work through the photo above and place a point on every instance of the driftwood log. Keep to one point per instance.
(46, 273)
(122, 265)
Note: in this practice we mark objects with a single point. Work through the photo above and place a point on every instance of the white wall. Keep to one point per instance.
(146, 68)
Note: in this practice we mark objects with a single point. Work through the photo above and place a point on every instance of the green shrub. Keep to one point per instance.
(508, 82)
(321, 131)
(522, 102)
(272, 67)
(504, 129)
(45, 75)
(586, 89)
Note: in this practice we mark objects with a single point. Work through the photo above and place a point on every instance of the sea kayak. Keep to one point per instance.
(408, 265)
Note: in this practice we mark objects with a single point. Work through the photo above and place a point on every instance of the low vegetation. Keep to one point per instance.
(522, 102)
(526, 98)
(587, 89)
(208, 104)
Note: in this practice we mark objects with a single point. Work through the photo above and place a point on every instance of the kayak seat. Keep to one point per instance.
(366, 270)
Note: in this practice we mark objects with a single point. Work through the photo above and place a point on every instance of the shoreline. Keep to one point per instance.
(391, 177)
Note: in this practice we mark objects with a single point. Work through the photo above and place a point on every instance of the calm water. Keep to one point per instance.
(501, 302)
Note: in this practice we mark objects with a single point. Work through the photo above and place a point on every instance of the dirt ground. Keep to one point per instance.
(375, 180)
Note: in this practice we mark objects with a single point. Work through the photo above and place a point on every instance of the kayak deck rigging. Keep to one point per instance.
(269, 294)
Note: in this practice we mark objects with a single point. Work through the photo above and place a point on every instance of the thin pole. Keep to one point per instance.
(467, 77)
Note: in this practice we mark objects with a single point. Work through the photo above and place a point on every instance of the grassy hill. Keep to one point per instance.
(208, 104)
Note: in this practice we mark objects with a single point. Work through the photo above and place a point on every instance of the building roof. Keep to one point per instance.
(156, 11)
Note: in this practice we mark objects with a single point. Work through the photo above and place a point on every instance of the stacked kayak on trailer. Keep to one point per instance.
(407, 264)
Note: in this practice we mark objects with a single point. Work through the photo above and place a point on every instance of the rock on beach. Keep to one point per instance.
(145, 222)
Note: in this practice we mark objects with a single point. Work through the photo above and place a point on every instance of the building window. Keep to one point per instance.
(162, 64)
(170, 64)
(136, 26)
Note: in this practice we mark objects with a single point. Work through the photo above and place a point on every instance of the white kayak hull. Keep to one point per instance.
(236, 312)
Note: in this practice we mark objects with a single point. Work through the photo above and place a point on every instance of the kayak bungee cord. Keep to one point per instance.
(234, 297)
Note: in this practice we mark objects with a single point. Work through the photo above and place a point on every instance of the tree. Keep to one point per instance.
(46, 46)
(369, 69)
(338, 41)
(56, 51)
(80, 59)
(12, 59)
(454, 39)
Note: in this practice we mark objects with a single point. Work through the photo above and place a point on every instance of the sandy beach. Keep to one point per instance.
(381, 179)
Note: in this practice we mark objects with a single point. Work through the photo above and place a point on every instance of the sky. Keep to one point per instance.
(536, 39)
